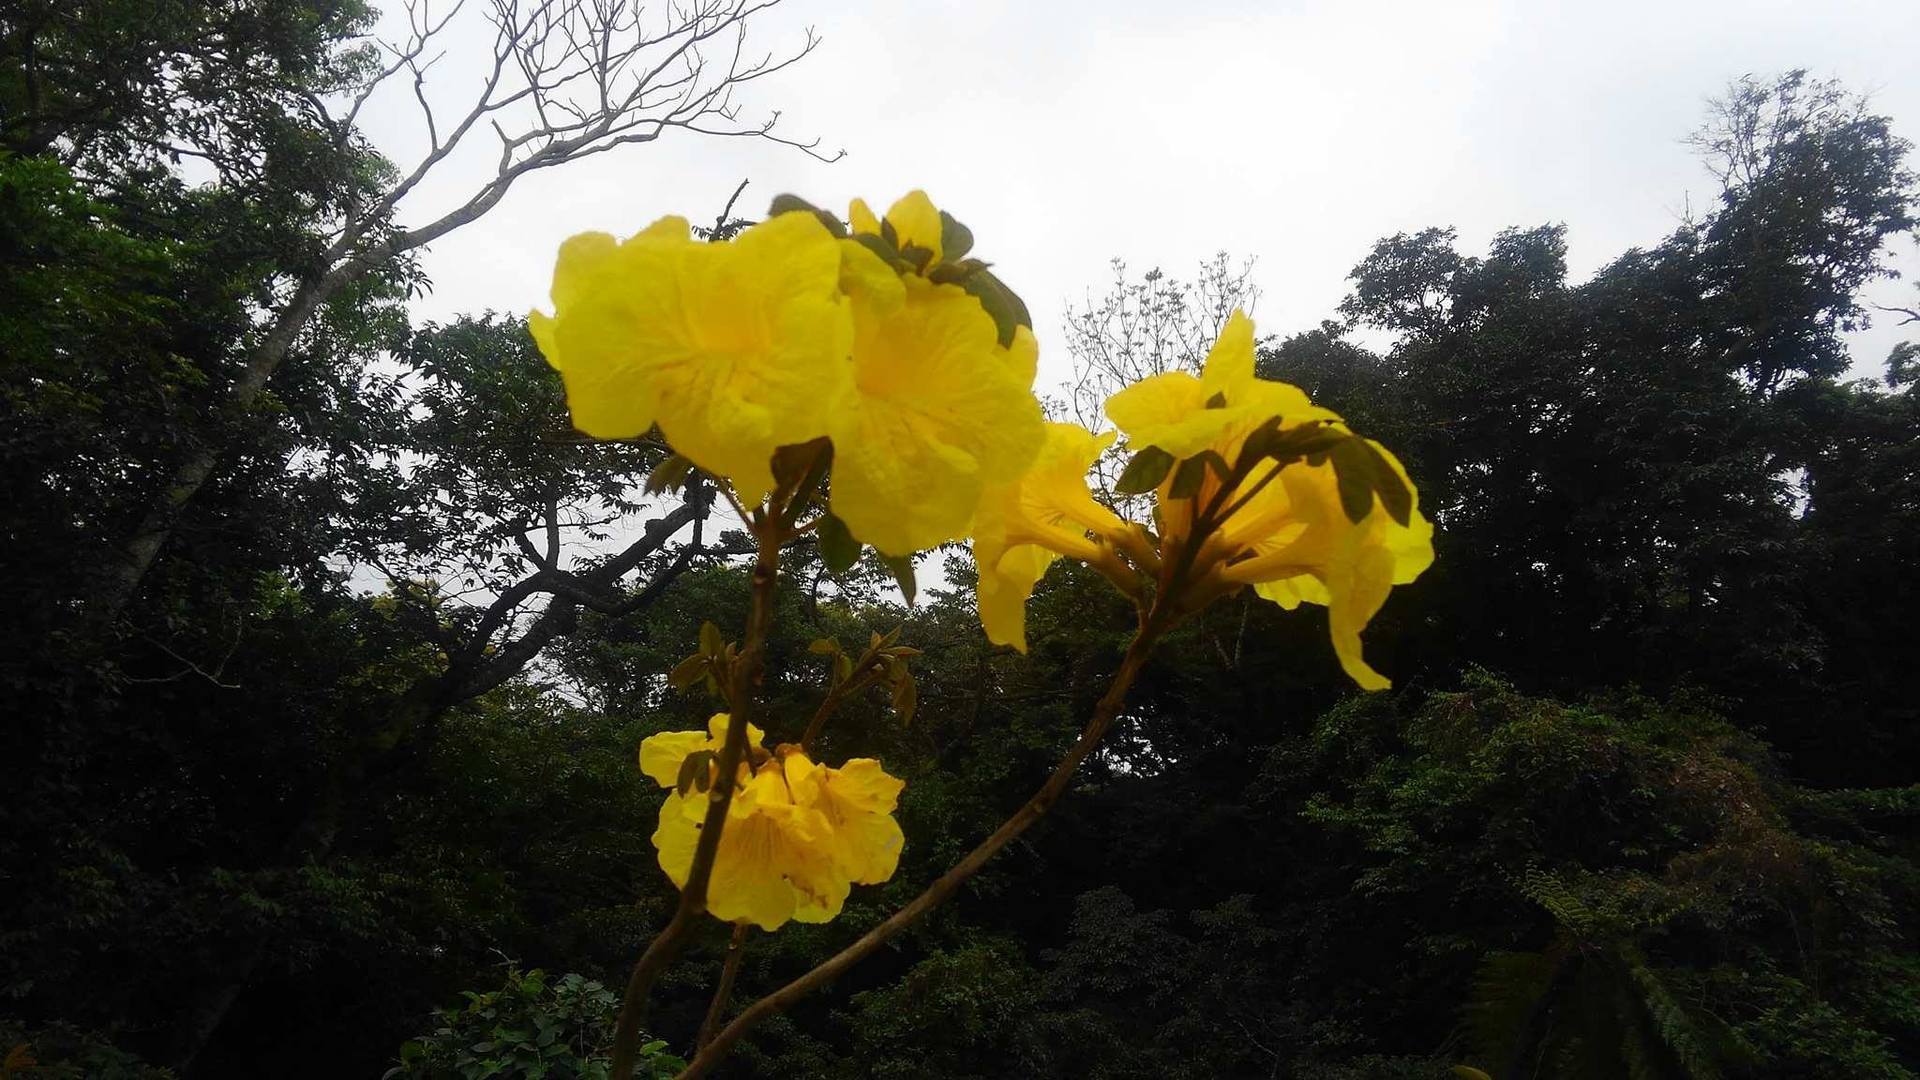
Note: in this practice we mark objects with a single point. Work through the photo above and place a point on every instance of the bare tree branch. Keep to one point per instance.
(564, 80)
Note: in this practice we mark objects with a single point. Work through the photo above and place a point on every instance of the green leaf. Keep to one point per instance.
(906, 698)
(902, 568)
(1356, 497)
(688, 671)
(1362, 473)
(712, 643)
(1003, 304)
(842, 668)
(918, 257)
(1187, 478)
(838, 549)
(824, 646)
(787, 203)
(695, 772)
(783, 203)
(1144, 472)
(1394, 493)
(955, 239)
(669, 474)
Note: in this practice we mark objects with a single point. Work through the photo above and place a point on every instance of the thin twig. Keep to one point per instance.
(729, 971)
(693, 895)
(1151, 626)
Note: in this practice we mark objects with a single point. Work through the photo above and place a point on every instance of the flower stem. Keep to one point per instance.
(729, 971)
(1152, 624)
(693, 896)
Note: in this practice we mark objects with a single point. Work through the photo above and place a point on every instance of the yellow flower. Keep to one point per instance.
(857, 799)
(731, 348)
(1286, 529)
(936, 409)
(798, 834)
(1298, 544)
(1027, 522)
(913, 220)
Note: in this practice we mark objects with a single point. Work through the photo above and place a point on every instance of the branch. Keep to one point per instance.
(1151, 626)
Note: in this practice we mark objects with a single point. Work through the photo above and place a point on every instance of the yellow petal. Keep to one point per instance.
(860, 218)
(1170, 411)
(1229, 365)
(936, 410)
(747, 883)
(730, 348)
(1022, 523)
(862, 783)
(1358, 586)
(583, 257)
(676, 837)
(1327, 559)
(856, 801)
(869, 848)
(1005, 585)
(916, 223)
(717, 730)
(661, 755)
(869, 280)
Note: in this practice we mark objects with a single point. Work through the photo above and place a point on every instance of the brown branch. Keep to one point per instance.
(709, 1056)
(693, 895)
(853, 684)
(729, 971)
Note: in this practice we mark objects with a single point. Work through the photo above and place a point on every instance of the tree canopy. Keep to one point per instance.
(359, 733)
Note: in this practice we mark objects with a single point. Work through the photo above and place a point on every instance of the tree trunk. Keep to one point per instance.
(140, 550)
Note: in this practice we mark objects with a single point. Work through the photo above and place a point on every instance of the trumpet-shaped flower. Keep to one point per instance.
(798, 834)
(936, 409)
(1028, 521)
(1286, 523)
(730, 348)
(857, 799)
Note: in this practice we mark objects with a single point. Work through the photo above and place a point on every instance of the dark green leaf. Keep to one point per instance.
(1187, 478)
(783, 203)
(669, 474)
(688, 671)
(1007, 309)
(918, 257)
(906, 697)
(1144, 472)
(955, 239)
(1394, 493)
(838, 548)
(887, 253)
(902, 568)
(695, 772)
(1363, 473)
(1352, 472)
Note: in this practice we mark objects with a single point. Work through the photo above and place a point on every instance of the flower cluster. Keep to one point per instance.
(798, 833)
(1254, 485)
(877, 340)
(878, 363)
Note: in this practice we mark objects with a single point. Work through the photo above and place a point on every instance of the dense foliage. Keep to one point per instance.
(1643, 804)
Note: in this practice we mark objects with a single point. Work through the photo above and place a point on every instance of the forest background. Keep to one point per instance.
(330, 642)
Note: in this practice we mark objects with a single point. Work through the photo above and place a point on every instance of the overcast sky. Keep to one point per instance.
(1066, 134)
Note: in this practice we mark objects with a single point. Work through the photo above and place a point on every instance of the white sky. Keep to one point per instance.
(1066, 134)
